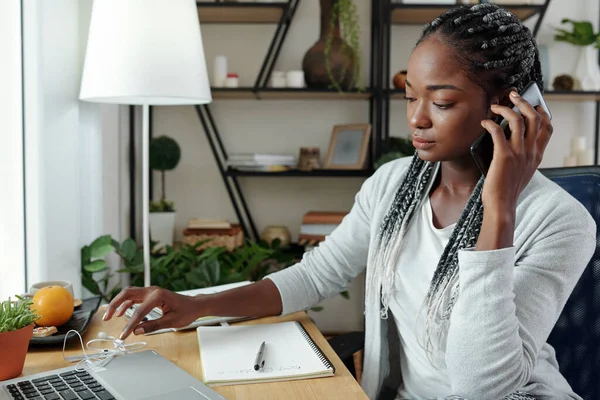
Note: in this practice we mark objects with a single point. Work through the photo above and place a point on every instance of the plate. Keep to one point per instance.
(79, 321)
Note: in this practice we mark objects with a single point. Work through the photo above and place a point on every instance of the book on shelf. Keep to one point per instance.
(251, 159)
(317, 225)
(197, 223)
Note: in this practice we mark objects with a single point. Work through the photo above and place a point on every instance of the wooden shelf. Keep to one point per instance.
(413, 14)
(549, 95)
(554, 95)
(320, 173)
(290, 94)
(240, 13)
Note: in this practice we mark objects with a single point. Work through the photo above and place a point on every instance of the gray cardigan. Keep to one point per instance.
(509, 300)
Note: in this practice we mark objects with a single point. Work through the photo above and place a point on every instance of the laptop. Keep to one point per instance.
(143, 375)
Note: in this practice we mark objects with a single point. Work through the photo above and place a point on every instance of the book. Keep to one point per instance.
(197, 223)
(318, 229)
(156, 312)
(228, 353)
(323, 217)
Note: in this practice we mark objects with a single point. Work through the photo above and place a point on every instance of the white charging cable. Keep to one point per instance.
(102, 356)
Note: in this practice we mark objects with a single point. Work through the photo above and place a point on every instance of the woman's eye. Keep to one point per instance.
(443, 106)
(410, 99)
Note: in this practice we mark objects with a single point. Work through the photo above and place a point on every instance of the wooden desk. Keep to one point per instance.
(181, 348)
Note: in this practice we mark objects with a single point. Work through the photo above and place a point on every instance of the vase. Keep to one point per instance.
(341, 60)
(162, 225)
(13, 347)
(587, 70)
(273, 232)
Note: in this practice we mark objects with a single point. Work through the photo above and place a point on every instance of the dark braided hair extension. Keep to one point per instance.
(498, 52)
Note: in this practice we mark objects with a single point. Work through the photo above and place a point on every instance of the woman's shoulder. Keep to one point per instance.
(550, 202)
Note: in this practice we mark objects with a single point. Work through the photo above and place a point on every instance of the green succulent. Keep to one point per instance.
(16, 315)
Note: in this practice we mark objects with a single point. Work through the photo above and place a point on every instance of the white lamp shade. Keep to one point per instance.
(145, 52)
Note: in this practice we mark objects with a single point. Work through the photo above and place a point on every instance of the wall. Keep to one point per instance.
(284, 126)
(66, 198)
(12, 223)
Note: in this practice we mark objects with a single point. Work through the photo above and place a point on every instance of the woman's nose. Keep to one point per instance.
(419, 117)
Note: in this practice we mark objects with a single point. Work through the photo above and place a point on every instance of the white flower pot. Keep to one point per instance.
(162, 227)
(587, 70)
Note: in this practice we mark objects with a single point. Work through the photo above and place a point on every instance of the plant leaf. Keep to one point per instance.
(345, 294)
(317, 309)
(101, 251)
(129, 249)
(96, 266)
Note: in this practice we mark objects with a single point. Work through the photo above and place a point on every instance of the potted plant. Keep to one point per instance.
(334, 60)
(16, 329)
(587, 70)
(164, 156)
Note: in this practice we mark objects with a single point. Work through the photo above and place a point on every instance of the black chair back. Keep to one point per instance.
(576, 335)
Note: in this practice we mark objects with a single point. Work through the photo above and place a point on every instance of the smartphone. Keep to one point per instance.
(482, 149)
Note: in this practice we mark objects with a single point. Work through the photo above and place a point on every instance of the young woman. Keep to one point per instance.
(465, 276)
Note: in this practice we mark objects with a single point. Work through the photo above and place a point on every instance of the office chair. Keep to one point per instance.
(576, 335)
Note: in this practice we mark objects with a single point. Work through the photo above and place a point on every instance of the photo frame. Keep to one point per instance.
(348, 147)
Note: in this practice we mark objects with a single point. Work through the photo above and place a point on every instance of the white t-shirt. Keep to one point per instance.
(420, 254)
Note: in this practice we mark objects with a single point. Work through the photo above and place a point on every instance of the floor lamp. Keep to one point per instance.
(148, 53)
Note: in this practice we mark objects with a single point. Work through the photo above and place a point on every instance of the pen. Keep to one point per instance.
(259, 362)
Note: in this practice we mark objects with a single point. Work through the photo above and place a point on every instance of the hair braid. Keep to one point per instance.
(498, 52)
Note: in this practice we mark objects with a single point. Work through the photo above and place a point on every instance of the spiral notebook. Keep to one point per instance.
(228, 354)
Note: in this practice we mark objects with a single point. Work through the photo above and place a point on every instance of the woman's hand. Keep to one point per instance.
(178, 310)
(514, 162)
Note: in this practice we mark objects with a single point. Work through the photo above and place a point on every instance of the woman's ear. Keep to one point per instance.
(504, 97)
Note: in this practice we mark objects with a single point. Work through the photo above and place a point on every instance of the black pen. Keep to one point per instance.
(259, 362)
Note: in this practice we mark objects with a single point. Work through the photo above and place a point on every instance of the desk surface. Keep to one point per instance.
(181, 348)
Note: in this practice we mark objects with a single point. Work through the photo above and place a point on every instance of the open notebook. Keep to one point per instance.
(156, 313)
(228, 353)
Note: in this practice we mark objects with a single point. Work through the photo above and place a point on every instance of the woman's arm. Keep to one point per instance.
(506, 309)
(323, 272)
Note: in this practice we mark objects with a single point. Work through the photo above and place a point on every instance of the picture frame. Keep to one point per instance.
(348, 147)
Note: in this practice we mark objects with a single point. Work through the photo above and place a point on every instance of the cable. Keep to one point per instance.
(99, 359)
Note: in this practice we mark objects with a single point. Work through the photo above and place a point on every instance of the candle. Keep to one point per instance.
(220, 71)
(585, 157)
(570, 161)
(578, 144)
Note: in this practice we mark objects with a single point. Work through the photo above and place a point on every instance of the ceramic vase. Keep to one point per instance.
(341, 61)
(587, 70)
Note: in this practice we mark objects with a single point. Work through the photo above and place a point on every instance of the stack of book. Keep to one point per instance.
(261, 162)
(316, 225)
(217, 232)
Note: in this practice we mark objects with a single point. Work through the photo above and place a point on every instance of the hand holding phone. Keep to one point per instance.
(482, 149)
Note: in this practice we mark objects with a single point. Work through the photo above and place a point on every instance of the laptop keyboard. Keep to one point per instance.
(70, 385)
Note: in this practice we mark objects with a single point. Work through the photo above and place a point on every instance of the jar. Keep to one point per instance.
(232, 80)
(278, 79)
(309, 159)
(273, 232)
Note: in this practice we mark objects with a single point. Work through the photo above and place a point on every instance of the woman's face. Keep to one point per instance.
(445, 108)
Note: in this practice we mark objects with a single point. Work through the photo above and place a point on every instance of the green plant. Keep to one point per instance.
(346, 13)
(164, 156)
(17, 315)
(581, 35)
(95, 273)
(162, 206)
(398, 147)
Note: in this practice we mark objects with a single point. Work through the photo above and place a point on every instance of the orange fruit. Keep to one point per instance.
(54, 305)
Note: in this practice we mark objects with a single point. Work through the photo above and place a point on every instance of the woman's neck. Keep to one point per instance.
(457, 177)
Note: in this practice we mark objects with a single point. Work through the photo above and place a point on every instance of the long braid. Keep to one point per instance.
(498, 52)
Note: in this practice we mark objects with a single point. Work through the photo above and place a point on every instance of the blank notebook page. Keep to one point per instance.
(228, 353)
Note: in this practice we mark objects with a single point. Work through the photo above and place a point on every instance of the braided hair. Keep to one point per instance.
(498, 52)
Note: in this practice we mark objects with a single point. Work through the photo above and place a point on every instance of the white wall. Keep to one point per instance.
(12, 225)
(66, 197)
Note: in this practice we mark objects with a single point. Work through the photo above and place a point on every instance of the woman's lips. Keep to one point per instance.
(421, 143)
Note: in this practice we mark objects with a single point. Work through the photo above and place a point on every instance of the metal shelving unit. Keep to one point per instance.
(384, 15)
(282, 14)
